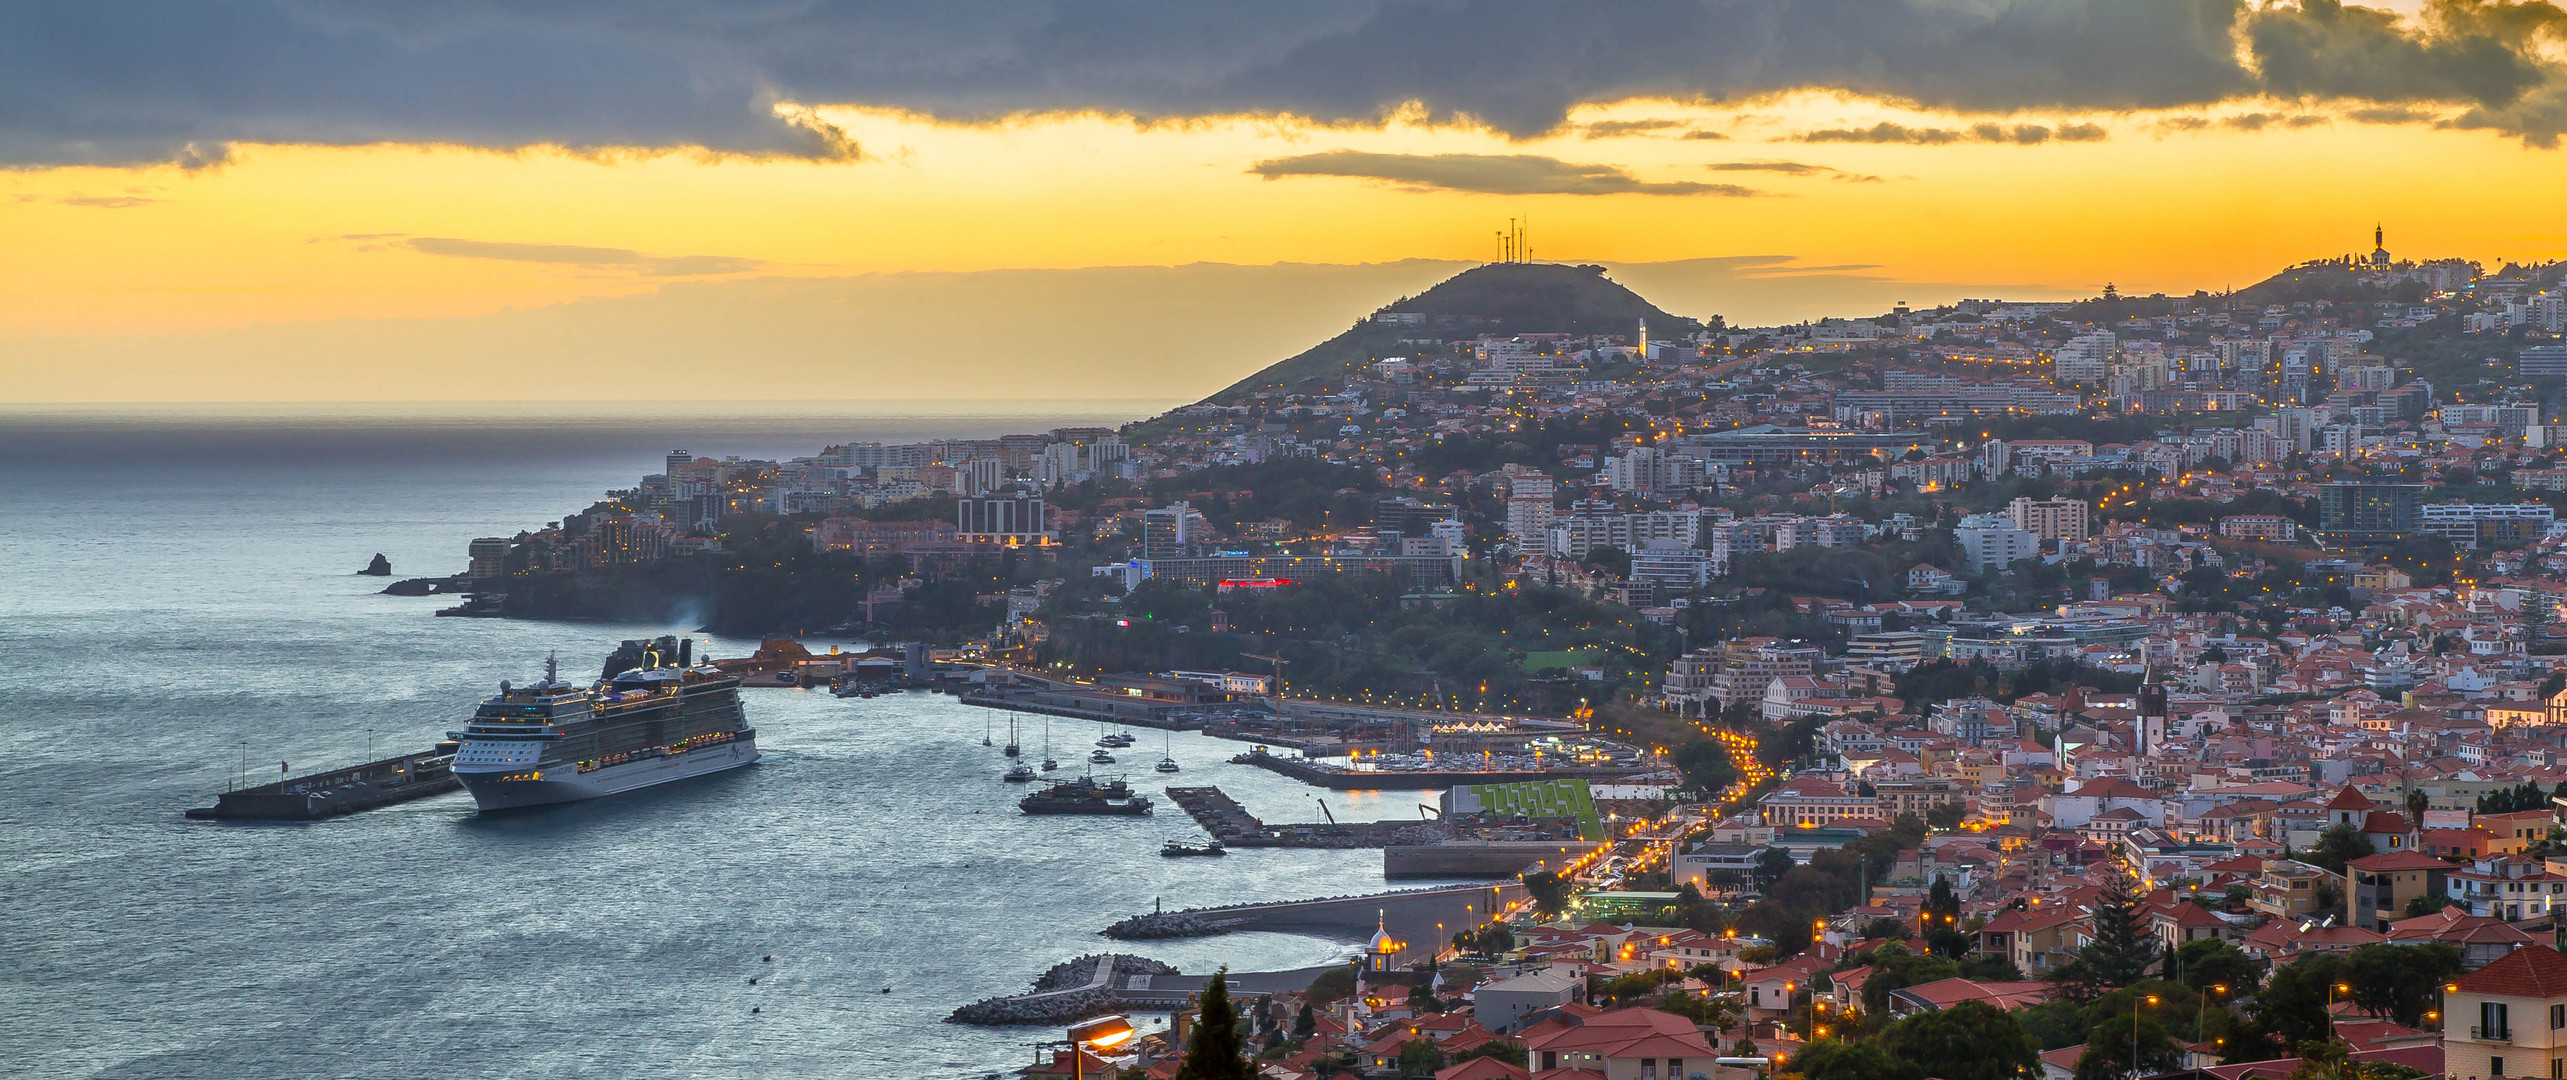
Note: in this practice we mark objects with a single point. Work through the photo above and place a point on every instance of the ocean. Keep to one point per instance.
(179, 609)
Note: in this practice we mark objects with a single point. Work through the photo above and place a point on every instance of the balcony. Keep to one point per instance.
(2502, 1034)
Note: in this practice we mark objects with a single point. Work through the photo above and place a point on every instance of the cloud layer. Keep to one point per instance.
(1486, 174)
(178, 80)
(574, 255)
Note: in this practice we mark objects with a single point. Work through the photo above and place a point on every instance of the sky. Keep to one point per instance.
(302, 200)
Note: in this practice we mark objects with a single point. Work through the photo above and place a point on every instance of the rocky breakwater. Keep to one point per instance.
(1173, 924)
(1072, 990)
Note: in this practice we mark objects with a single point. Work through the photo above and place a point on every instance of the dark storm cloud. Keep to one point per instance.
(655, 265)
(180, 80)
(1486, 174)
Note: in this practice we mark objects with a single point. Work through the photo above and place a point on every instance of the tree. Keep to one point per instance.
(1494, 1048)
(1990, 967)
(2400, 981)
(2293, 1002)
(2338, 845)
(1848, 1061)
(1968, 1041)
(1895, 968)
(1941, 906)
(2123, 949)
(2428, 903)
(1419, 1057)
(1771, 864)
(2417, 803)
(1421, 1000)
(1705, 765)
(1214, 1053)
(1549, 892)
(2213, 962)
(1945, 815)
(2322, 1060)
(2110, 1048)
(1705, 1010)
(1305, 1023)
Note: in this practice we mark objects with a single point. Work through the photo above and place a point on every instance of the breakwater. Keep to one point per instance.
(1072, 990)
(1415, 916)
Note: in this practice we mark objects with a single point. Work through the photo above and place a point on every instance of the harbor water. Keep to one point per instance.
(178, 612)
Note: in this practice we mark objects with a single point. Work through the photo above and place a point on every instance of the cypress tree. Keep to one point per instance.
(1214, 1053)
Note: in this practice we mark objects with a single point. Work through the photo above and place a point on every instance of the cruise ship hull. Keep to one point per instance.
(509, 791)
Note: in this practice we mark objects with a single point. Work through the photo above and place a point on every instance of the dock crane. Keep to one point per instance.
(1278, 661)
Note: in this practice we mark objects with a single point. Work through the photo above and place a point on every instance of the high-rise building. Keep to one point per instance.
(2050, 519)
(2542, 360)
(2366, 513)
(1011, 521)
(1166, 532)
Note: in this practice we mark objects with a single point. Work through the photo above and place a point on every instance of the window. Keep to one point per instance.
(2495, 1066)
(2557, 1017)
(2492, 1025)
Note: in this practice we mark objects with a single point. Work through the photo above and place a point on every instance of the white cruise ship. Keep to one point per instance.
(656, 716)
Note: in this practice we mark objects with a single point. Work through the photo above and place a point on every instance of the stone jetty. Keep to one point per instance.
(1072, 990)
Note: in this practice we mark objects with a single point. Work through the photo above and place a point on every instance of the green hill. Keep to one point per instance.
(1498, 298)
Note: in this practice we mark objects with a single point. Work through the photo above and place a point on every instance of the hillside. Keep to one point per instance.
(1498, 298)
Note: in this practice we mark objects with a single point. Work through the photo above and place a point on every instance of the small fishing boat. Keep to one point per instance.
(1018, 775)
(1175, 850)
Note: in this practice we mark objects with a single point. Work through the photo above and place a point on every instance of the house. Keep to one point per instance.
(2507, 887)
(2283, 940)
(1483, 1068)
(2508, 1018)
(2515, 831)
(2287, 888)
(1944, 993)
(1771, 989)
(2176, 924)
(2481, 940)
(1625, 1044)
(2378, 888)
(1501, 1004)
(2035, 938)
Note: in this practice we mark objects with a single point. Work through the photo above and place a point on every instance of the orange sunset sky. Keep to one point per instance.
(1025, 201)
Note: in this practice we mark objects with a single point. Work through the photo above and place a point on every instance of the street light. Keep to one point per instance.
(1102, 1033)
(2134, 1032)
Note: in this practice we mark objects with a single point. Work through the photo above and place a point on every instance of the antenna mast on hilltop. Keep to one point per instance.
(1511, 245)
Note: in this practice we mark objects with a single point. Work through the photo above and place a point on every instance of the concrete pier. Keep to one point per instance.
(1234, 826)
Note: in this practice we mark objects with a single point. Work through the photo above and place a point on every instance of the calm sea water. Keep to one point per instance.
(177, 605)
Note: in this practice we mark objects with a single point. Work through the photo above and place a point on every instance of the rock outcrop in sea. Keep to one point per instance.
(380, 567)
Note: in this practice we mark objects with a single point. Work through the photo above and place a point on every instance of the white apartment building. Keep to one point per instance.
(1993, 541)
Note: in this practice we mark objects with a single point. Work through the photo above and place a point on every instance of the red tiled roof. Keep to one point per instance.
(2534, 970)
(1483, 1068)
(2409, 859)
(2349, 799)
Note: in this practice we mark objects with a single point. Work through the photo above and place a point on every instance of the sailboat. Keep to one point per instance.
(1011, 750)
(1167, 759)
(1048, 763)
